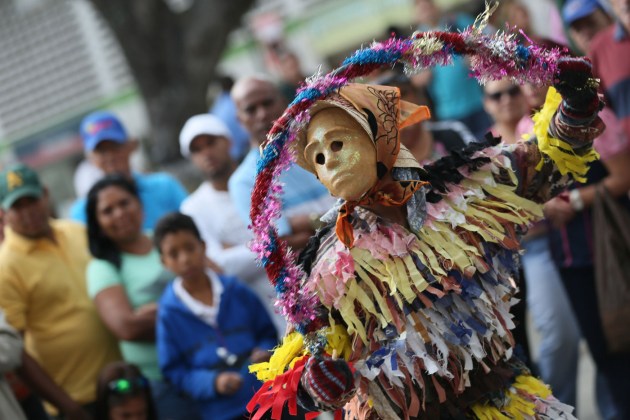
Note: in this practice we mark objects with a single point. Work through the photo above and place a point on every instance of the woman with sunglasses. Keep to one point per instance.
(503, 100)
(123, 393)
(126, 279)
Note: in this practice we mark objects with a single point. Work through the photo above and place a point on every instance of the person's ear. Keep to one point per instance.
(92, 158)
(203, 245)
(132, 145)
(46, 195)
(46, 201)
(239, 117)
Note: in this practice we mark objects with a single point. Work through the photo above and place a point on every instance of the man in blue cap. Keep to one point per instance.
(584, 19)
(607, 45)
(109, 148)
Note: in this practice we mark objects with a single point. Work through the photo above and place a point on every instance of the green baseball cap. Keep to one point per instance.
(18, 181)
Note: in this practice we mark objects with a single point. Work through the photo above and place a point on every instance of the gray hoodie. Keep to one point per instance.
(10, 358)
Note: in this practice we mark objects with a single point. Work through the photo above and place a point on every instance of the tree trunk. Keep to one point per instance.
(172, 57)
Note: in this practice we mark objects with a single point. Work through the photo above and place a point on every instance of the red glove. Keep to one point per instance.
(573, 81)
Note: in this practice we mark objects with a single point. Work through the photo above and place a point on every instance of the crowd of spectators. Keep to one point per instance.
(148, 303)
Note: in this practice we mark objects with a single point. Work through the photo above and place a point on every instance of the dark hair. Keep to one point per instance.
(136, 385)
(226, 83)
(173, 223)
(100, 245)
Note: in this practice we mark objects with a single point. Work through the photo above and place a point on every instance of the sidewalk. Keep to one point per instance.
(586, 406)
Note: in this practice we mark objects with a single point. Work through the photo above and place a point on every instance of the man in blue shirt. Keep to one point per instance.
(259, 103)
(108, 147)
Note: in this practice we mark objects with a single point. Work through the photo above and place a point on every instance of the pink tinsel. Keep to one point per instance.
(491, 57)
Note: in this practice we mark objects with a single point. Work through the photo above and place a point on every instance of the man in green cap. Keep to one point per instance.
(43, 293)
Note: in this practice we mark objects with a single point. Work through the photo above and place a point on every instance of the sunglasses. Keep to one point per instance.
(511, 92)
(127, 386)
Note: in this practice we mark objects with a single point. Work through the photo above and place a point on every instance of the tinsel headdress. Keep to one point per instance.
(492, 57)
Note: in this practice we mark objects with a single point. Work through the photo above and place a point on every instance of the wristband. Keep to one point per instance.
(575, 199)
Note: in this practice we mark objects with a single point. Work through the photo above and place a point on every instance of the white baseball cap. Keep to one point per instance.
(198, 125)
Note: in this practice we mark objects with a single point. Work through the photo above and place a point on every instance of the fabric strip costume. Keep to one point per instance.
(412, 321)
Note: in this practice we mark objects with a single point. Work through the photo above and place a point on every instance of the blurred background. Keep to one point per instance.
(156, 62)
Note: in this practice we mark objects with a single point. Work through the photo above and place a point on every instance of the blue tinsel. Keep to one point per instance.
(309, 94)
(272, 246)
(270, 153)
(369, 56)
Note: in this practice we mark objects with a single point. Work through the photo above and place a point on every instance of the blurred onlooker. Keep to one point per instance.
(210, 327)
(29, 402)
(109, 149)
(585, 19)
(608, 50)
(547, 301)
(455, 95)
(571, 242)
(571, 245)
(205, 140)
(126, 279)
(513, 14)
(516, 14)
(10, 359)
(224, 108)
(304, 199)
(427, 141)
(1, 225)
(43, 292)
(505, 103)
(124, 394)
(85, 175)
(284, 64)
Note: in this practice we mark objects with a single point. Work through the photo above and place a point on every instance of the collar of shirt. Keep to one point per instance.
(206, 313)
(22, 243)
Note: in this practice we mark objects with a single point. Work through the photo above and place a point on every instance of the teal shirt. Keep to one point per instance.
(455, 93)
(143, 278)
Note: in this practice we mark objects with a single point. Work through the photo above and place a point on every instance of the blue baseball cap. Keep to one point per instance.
(100, 126)
(577, 9)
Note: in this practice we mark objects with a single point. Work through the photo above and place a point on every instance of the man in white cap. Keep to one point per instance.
(206, 141)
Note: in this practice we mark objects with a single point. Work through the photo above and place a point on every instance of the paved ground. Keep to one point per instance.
(587, 410)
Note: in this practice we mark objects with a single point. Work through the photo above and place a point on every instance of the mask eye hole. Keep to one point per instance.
(320, 159)
(336, 146)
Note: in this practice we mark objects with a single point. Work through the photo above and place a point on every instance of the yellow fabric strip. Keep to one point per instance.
(430, 260)
(567, 161)
(519, 404)
(380, 300)
(338, 342)
(292, 350)
(513, 200)
(289, 351)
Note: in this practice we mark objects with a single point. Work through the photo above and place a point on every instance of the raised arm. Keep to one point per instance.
(564, 132)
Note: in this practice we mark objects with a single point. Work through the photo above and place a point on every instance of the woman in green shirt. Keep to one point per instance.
(126, 279)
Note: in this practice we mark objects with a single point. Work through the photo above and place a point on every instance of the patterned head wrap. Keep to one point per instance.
(381, 113)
